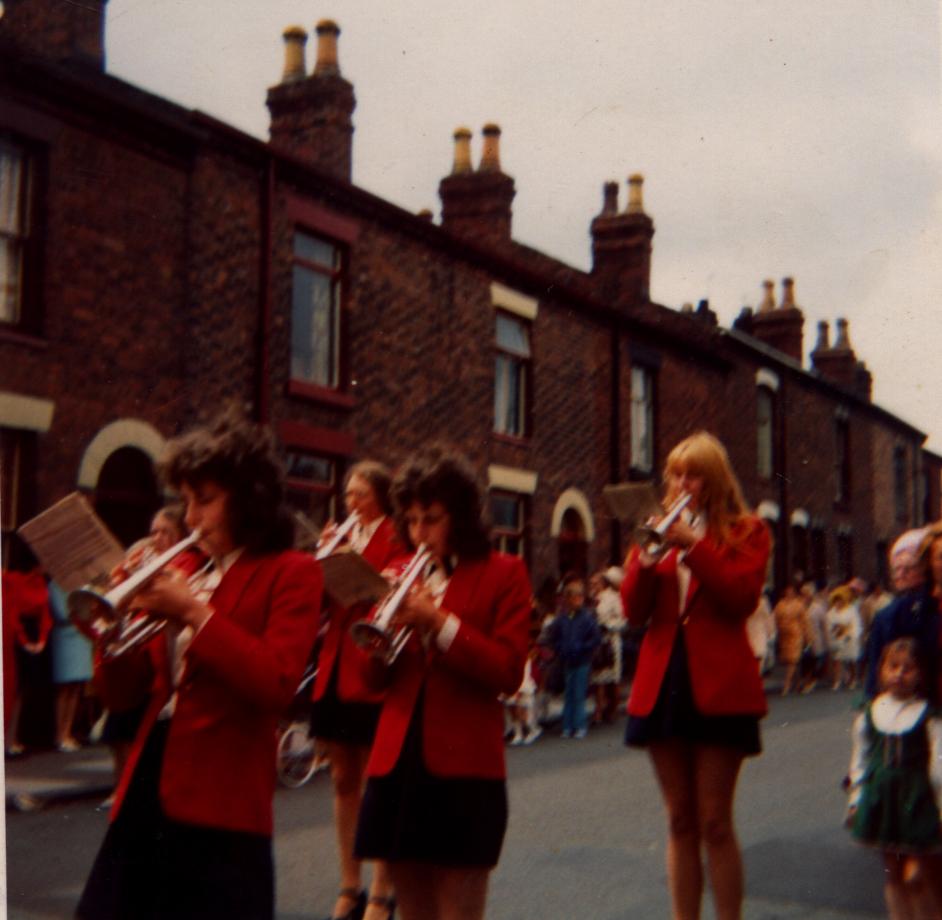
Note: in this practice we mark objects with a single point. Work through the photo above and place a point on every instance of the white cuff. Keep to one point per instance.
(446, 635)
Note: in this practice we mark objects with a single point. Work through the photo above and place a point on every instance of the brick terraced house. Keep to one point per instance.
(156, 263)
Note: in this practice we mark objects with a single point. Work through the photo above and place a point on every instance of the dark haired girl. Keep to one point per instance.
(190, 832)
(435, 805)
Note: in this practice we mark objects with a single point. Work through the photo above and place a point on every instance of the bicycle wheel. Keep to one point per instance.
(295, 762)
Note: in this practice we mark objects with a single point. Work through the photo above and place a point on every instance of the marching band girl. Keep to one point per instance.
(345, 709)
(697, 698)
(190, 832)
(435, 805)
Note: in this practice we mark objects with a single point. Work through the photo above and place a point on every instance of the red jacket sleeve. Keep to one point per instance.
(496, 659)
(264, 670)
(638, 590)
(733, 573)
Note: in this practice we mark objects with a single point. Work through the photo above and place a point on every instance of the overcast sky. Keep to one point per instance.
(776, 139)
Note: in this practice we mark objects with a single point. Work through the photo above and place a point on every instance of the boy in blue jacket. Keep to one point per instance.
(575, 636)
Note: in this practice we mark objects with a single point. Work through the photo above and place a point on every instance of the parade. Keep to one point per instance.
(361, 564)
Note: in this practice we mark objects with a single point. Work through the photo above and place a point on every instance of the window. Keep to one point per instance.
(312, 488)
(315, 311)
(508, 516)
(765, 432)
(842, 460)
(17, 236)
(642, 420)
(899, 483)
(512, 374)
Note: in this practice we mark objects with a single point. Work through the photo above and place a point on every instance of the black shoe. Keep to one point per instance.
(388, 903)
(359, 908)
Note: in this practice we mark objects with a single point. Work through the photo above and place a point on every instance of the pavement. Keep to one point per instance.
(40, 778)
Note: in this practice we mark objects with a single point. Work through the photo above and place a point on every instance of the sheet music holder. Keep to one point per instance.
(349, 579)
(72, 543)
(632, 502)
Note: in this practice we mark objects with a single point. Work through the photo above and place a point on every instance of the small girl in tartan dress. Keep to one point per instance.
(896, 780)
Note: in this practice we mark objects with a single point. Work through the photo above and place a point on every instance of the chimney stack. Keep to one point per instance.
(477, 204)
(63, 32)
(838, 363)
(312, 116)
(780, 327)
(621, 245)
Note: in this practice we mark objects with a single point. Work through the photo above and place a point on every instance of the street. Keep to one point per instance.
(586, 836)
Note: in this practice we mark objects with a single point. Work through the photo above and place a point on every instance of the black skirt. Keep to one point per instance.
(675, 715)
(122, 726)
(409, 814)
(334, 720)
(152, 868)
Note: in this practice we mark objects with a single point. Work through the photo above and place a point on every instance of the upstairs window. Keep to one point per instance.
(765, 432)
(315, 311)
(17, 236)
(642, 420)
(512, 376)
(841, 461)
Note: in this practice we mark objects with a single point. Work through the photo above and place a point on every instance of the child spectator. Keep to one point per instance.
(521, 706)
(574, 636)
(895, 780)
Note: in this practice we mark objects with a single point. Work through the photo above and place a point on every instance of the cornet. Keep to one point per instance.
(375, 634)
(104, 616)
(652, 537)
(322, 552)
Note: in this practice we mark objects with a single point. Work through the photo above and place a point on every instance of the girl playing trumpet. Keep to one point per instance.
(190, 832)
(345, 709)
(697, 698)
(435, 805)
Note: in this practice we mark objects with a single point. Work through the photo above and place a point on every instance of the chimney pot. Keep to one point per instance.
(635, 198)
(490, 155)
(610, 199)
(425, 214)
(327, 33)
(843, 339)
(788, 294)
(295, 41)
(768, 298)
(462, 163)
(823, 343)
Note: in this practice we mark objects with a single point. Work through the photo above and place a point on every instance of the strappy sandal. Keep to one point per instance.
(359, 908)
(389, 903)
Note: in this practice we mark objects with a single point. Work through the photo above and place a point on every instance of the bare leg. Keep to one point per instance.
(919, 888)
(894, 891)
(347, 768)
(674, 766)
(414, 890)
(717, 769)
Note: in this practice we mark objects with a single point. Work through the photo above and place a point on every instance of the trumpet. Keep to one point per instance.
(322, 552)
(104, 617)
(375, 634)
(652, 537)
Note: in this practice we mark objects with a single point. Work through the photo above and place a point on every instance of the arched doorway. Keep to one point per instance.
(573, 545)
(127, 494)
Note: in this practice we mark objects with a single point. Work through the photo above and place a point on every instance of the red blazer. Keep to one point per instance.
(384, 546)
(242, 670)
(724, 589)
(463, 720)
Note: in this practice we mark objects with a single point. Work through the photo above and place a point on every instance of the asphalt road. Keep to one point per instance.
(586, 835)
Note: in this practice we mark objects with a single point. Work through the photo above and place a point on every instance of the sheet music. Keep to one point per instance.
(349, 579)
(72, 543)
(632, 502)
